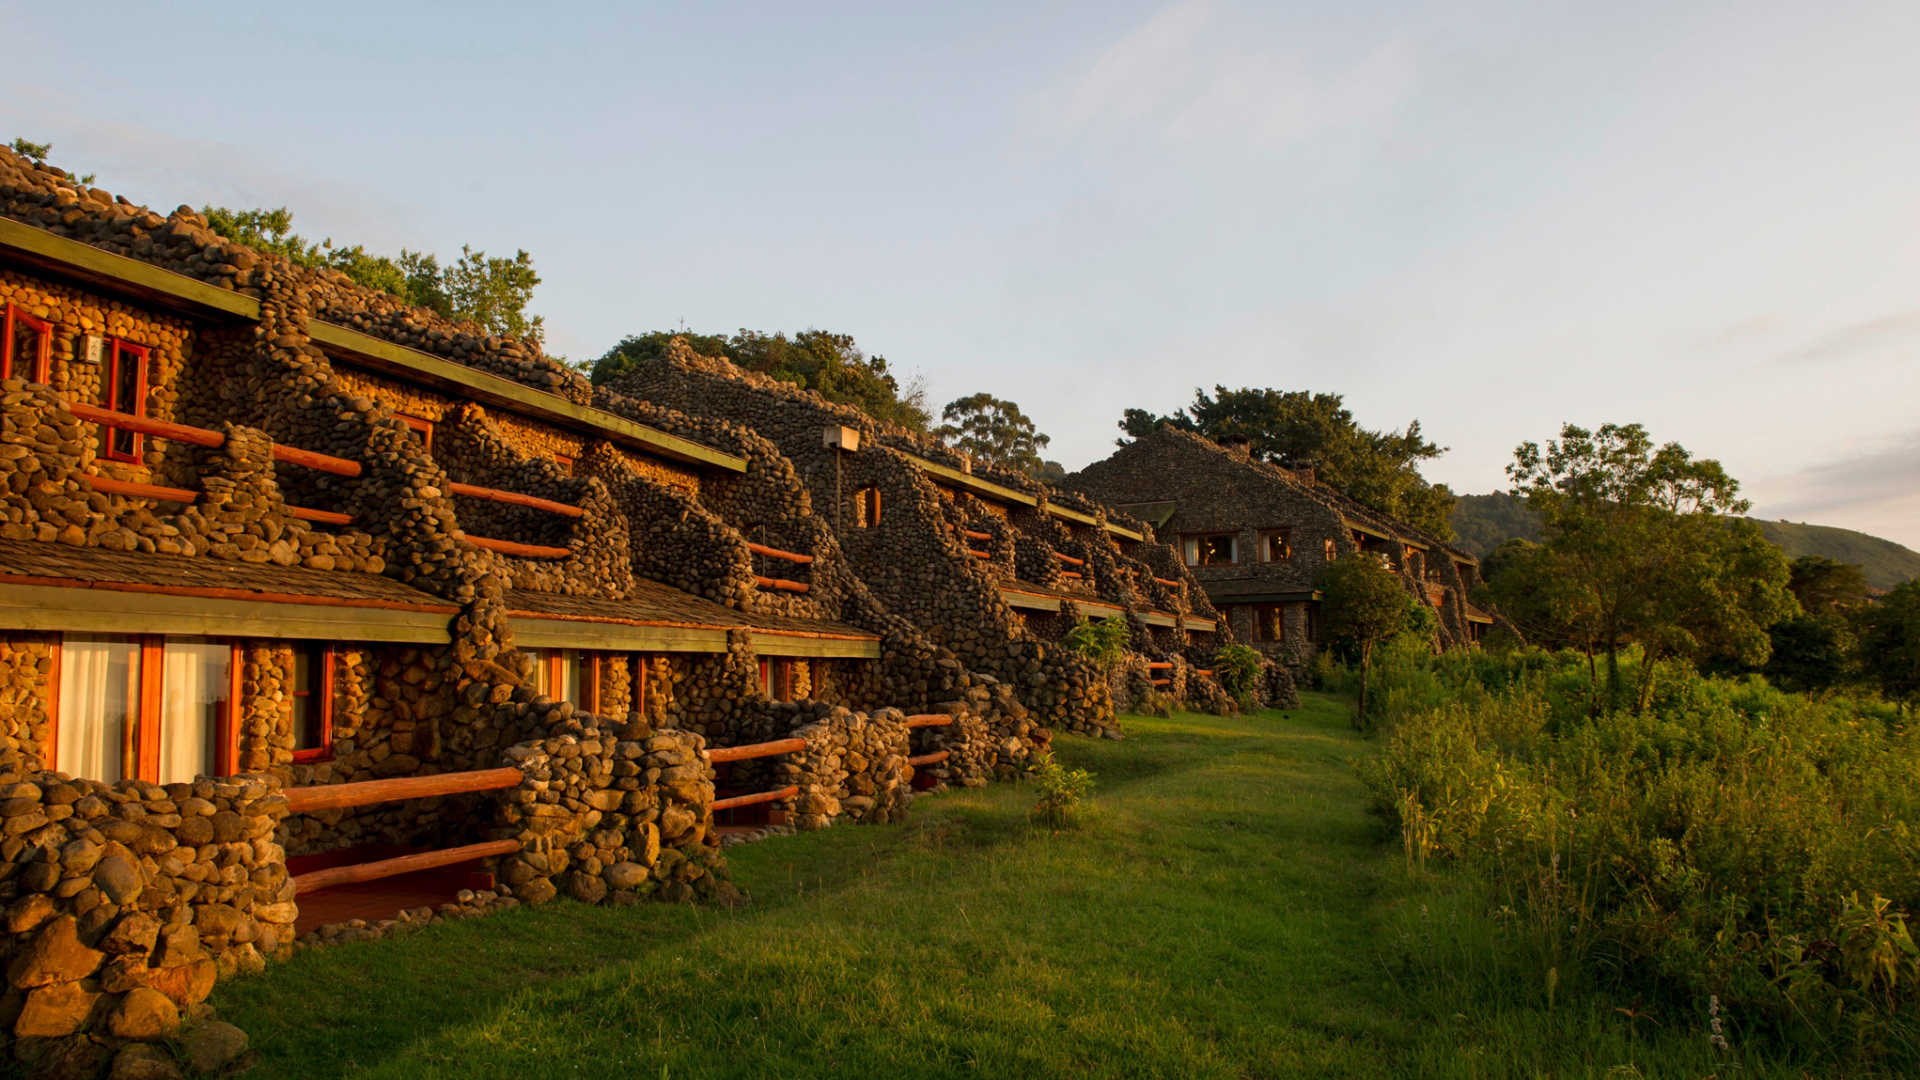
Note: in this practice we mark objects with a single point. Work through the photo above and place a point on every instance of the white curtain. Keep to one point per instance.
(569, 688)
(195, 690)
(1190, 546)
(542, 671)
(99, 695)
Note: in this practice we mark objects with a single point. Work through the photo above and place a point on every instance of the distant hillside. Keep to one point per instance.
(1483, 521)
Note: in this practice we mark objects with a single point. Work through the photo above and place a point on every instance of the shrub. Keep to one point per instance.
(1103, 643)
(1731, 841)
(1063, 793)
(1237, 667)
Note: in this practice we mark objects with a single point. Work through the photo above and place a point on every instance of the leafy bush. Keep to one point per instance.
(1102, 643)
(1063, 793)
(1732, 840)
(1237, 667)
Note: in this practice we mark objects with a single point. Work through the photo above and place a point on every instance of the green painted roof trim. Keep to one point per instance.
(971, 482)
(507, 394)
(132, 275)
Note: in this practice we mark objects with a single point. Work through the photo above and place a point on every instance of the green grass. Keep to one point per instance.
(1229, 911)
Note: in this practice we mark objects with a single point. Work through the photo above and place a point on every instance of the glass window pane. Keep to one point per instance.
(99, 694)
(195, 685)
(541, 671)
(580, 678)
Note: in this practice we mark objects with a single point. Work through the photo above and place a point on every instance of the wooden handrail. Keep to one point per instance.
(510, 547)
(1069, 559)
(108, 485)
(1161, 682)
(787, 792)
(974, 534)
(920, 720)
(302, 800)
(934, 758)
(1207, 671)
(747, 751)
(199, 436)
(979, 554)
(325, 517)
(1159, 665)
(776, 553)
(1168, 584)
(159, 428)
(514, 498)
(404, 864)
(1074, 574)
(782, 584)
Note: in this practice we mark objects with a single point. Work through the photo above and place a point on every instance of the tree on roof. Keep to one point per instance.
(994, 432)
(1378, 469)
(819, 360)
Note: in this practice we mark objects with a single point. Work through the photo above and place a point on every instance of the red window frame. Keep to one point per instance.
(134, 440)
(565, 462)
(323, 678)
(43, 361)
(637, 685)
(776, 678)
(421, 426)
(140, 740)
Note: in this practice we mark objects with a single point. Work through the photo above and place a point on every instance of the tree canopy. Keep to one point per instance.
(1890, 643)
(994, 432)
(1379, 469)
(832, 364)
(1363, 604)
(1638, 549)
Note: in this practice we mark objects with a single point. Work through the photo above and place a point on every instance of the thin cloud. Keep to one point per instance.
(1889, 471)
(1192, 75)
(1863, 337)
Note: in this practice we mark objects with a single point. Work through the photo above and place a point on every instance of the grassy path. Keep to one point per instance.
(1231, 911)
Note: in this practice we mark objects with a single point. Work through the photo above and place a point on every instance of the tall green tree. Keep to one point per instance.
(1362, 605)
(1380, 469)
(1827, 586)
(1890, 644)
(994, 432)
(1645, 553)
(820, 360)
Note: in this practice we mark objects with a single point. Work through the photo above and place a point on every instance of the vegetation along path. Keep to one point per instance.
(1229, 910)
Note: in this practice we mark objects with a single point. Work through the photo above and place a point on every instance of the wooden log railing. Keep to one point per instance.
(107, 485)
(514, 498)
(934, 758)
(749, 751)
(975, 534)
(1159, 665)
(199, 436)
(920, 720)
(781, 584)
(1162, 682)
(757, 797)
(404, 864)
(302, 800)
(776, 553)
(978, 554)
(513, 547)
(1073, 574)
(1069, 559)
(1207, 671)
(1167, 583)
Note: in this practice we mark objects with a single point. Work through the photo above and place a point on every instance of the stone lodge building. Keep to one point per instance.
(1256, 536)
(311, 594)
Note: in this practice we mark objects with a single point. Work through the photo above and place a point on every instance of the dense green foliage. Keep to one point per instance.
(1061, 793)
(1379, 469)
(995, 432)
(491, 291)
(1484, 522)
(1890, 644)
(1237, 667)
(819, 360)
(1230, 913)
(1638, 548)
(1731, 841)
(1363, 606)
(1103, 644)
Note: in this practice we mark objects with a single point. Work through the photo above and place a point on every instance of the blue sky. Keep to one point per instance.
(1490, 217)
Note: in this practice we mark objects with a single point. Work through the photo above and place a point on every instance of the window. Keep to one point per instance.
(421, 426)
(312, 702)
(126, 393)
(26, 352)
(586, 681)
(776, 678)
(866, 503)
(1333, 549)
(637, 685)
(1269, 622)
(568, 675)
(1214, 549)
(1275, 545)
(151, 708)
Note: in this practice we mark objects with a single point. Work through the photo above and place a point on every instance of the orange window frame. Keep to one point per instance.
(135, 441)
(42, 330)
(323, 693)
(565, 461)
(421, 426)
(140, 739)
(637, 685)
(867, 507)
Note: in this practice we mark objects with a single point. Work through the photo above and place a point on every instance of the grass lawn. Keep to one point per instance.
(1229, 911)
